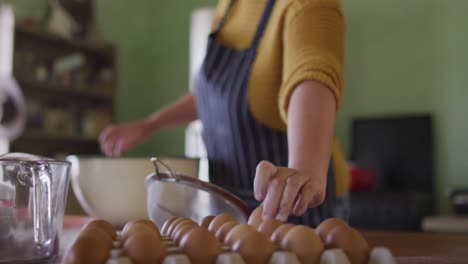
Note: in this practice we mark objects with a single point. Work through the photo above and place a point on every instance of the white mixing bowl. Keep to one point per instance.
(114, 188)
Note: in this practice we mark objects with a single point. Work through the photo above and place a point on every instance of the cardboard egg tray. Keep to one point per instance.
(378, 255)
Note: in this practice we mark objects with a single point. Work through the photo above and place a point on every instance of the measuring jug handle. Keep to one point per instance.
(42, 199)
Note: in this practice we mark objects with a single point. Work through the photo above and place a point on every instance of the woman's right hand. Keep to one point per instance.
(117, 139)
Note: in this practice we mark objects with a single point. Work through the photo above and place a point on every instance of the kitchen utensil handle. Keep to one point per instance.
(155, 162)
(42, 199)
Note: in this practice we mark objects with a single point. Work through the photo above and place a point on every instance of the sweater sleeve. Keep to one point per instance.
(313, 48)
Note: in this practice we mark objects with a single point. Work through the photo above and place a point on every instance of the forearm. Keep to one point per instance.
(179, 113)
(311, 118)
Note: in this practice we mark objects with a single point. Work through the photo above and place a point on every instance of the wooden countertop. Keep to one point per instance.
(406, 247)
(422, 247)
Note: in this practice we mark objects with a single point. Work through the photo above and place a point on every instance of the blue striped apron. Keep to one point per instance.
(235, 141)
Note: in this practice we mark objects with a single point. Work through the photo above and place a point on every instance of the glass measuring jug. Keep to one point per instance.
(33, 193)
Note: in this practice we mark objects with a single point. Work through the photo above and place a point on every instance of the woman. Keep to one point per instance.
(267, 95)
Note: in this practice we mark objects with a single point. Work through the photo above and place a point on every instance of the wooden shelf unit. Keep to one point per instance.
(37, 134)
(87, 104)
(35, 86)
(39, 33)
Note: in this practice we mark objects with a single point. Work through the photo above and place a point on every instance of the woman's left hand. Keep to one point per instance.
(286, 191)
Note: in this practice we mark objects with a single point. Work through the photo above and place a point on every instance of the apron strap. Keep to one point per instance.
(262, 24)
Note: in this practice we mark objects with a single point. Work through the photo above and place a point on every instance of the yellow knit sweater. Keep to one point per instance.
(303, 40)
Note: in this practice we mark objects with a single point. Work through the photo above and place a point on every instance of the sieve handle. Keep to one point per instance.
(155, 162)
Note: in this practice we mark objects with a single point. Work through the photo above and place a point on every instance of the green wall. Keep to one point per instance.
(34, 9)
(453, 93)
(409, 57)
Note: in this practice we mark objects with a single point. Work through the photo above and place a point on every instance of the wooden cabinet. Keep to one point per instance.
(69, 89)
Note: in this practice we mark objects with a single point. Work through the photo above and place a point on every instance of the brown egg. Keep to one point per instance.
(200, 245)
(167, 224)
(129, 223)
(96, 232)
(327, 225)
(256, 218)
(150, 224)
(181, 224)
(224, 230)
(145, 222)
(350, 241)
(218, 221)
(137, 227)
(205, 222)
(302, 241)
(144, 248)
(175, 223)
(279, 233)
(254, 247)
(181, 229)
(268, 226)
(87, 249)
(237, 232)
(104, 225)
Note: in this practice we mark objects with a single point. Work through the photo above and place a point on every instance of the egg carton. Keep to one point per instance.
(378, 255)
